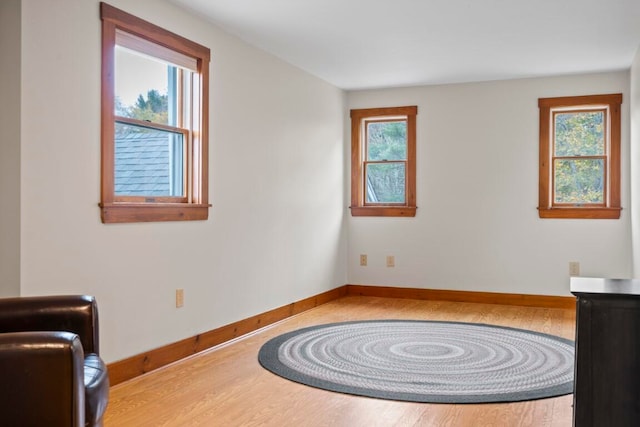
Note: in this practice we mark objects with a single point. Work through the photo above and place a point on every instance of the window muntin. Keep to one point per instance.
(383, 161)
(580, 157)
(154, 122)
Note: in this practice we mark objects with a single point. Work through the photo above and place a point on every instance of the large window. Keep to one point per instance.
(580, 157)
(154, 122)
(383, 161)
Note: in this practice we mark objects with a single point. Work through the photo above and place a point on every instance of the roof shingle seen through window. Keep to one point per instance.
(142, 163)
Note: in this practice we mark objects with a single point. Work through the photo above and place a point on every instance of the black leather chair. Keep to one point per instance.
(51, 373)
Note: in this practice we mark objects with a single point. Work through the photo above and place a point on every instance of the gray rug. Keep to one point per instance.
(424, 361)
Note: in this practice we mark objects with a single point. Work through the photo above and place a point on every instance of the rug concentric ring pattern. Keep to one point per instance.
(424, 361)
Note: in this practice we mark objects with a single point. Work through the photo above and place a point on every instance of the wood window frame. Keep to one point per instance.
(611, 208)
(359, 207)
(195, 205)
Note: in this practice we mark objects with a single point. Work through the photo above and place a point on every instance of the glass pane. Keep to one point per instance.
(579, 181)
(387, 140)
(144, 87)
(579, 134)
(385, 183)
(148, 162)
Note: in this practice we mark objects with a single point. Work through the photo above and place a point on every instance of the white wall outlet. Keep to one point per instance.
(391, 261)
(179, 298)
(574, 268)
(363, 260)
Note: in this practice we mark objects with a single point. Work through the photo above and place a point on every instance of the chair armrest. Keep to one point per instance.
(42, 379)
(71, 313)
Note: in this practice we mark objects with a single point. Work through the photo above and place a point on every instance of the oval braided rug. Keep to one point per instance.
(424, 361)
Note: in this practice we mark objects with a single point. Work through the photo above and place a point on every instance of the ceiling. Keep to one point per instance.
(361, 44)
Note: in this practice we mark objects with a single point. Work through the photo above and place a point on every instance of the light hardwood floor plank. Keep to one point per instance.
(226, 386)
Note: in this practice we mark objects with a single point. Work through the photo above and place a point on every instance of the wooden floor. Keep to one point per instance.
(226, 386)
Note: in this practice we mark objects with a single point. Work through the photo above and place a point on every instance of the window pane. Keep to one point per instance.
(385, 183)
(579, 181)
(148, 162)
(387, 140)
(579, 134)
(142, 87)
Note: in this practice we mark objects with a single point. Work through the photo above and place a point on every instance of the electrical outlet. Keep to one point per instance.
(363, 260)
(179, 298)
(391, 261)
(574, 268)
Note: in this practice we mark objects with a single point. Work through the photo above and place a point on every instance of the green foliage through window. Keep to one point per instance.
(579, 133)
(385, 162)
(579, 181)
(154, 108)
(387, 140)
(579, 157)
(385, 182)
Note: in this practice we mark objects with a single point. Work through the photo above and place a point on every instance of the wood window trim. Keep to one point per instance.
(358, 207)
(611, 208)
(152, 209)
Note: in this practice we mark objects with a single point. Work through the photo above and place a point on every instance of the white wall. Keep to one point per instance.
(635, 160)
(276, 230)
(10, 148)
(477, 227)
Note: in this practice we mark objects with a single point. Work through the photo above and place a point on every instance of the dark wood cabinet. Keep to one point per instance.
(607, 371)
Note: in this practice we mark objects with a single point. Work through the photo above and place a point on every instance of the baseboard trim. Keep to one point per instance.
(526, 300)
(139, 364)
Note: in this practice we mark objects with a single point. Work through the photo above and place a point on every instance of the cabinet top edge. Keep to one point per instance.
(596, 285)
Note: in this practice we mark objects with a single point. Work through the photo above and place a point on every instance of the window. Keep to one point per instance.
(580, 157)
(154, 122)
(383, 161)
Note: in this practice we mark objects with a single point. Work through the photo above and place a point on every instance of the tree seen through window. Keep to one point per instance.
(579, 158)
(386, 161)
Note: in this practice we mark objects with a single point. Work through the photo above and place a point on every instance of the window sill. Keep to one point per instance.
(580, 213)
(401, 211)
(156, 212)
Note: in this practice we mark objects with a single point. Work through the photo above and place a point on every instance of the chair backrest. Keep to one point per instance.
(71, 313)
